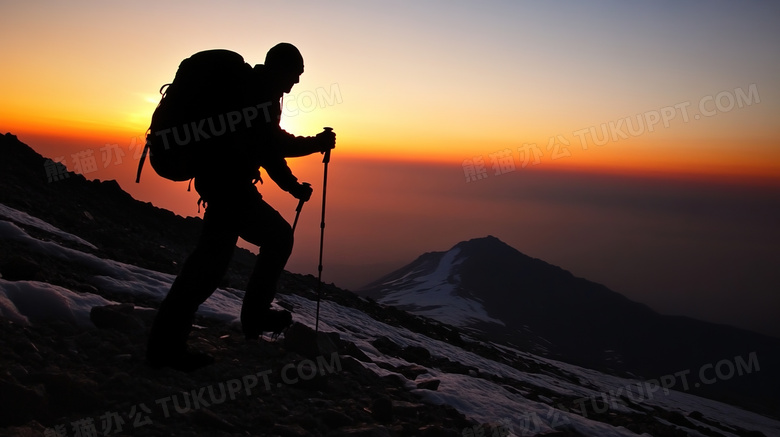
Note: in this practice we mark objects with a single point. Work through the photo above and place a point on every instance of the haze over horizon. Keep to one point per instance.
(635, 145)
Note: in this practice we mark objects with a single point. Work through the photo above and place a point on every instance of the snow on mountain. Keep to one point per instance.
(20, 216)
(548, 396)
(495, 292)
(434, 294)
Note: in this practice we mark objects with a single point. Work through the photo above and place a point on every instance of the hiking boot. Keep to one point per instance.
(274, 321)
(182, 360)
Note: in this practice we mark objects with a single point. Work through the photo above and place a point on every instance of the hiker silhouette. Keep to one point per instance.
(235, 208)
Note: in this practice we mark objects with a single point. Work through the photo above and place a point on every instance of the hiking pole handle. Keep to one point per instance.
(298, 211)
(326, 158)
(302, 201)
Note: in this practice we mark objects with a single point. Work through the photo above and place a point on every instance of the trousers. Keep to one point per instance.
(237, 213)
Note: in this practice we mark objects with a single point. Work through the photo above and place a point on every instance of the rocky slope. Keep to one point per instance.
(66, 380)
(378, 371)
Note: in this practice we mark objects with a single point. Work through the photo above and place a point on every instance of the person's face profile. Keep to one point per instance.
(289, 81)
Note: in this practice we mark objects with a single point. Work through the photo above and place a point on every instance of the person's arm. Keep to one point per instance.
(280, 173)
(295, 146)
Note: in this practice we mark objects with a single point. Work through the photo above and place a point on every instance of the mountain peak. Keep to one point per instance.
(489, 239)
(488, 244)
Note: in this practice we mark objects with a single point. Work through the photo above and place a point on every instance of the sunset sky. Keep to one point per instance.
(635, 144)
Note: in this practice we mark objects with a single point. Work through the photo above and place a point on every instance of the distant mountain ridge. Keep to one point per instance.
(546, 309)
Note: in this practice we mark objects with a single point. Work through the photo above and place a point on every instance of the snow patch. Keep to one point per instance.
(125, 278)
(29, 301)
(26, 219)
(435, 295)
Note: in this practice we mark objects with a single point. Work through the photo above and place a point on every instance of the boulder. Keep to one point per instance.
(302, 339)
(119, 317)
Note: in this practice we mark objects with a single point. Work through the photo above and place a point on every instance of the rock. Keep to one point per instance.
(335, 338)
(302, 339)
(360, 373)
(119, 317)
(395, 380)
(19, 268)
(305, 375)
(17, 371)
(382, 410)
(206, 417)
(429, 384)
(413, 354)
(123, 357)
(351, 349)
(386, 346)
(306, 420)
(145, 315)
(447, 366)
(84, 288)
(335, 419)
(19, 404)
(69, 393)
(416, 354)
(32, 429)
(290, 431)
(412, 371)
(406, 409)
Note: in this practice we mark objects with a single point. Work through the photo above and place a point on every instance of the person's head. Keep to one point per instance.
(284, 65)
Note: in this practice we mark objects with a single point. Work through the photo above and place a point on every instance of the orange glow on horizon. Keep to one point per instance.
(679, 162)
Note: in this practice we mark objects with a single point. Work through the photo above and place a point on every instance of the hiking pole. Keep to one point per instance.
(325, 161)
(298, 212)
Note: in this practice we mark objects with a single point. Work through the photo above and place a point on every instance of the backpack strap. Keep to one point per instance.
(163, 91)
(143, 159)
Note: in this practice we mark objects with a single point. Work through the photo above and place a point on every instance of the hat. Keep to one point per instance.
(284, 57)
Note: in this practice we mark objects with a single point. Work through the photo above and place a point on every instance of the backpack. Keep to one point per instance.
(194, 114)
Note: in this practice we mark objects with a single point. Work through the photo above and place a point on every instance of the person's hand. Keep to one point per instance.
(326, 140)
(302, 192)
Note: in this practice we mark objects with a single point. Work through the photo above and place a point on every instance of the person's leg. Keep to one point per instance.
(199, 277)
(267, 229)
